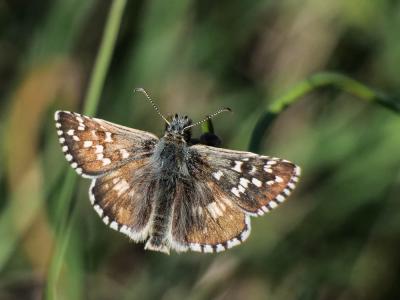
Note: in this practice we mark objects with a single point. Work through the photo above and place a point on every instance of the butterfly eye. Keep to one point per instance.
(176, 116)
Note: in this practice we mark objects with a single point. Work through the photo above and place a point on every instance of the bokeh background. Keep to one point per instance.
(338, 237)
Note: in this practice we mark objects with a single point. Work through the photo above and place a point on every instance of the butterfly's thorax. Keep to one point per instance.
(169, 163)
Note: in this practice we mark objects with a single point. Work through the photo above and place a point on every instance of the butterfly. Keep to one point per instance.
(171, 192)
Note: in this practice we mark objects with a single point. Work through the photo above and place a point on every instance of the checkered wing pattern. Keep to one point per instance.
(117, 159)
(124, 199)
(210, 223)
(94, 146)
(233, 185)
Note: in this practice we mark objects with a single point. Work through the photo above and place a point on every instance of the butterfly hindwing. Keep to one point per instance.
(206, 220)
(94, 146)
(123, 199)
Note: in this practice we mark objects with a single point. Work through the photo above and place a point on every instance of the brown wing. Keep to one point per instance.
(255, 183)
(123, 199)
(212, 210)
(94, 146)
(206, 220)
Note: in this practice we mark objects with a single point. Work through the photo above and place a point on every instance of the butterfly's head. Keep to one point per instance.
(177, 127)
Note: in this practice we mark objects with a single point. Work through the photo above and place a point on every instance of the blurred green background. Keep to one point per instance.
(338, 237)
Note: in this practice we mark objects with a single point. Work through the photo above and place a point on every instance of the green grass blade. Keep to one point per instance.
(91, 102)
(316, 81)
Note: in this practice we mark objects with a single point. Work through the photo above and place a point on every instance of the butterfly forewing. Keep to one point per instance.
(255, 183)
(94, 146)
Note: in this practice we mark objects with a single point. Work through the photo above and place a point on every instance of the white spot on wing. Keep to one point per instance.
(114, 225)
(233, 242)
(235, 191)
(218, 175)
(124, 153)
(87, 144)
(121, 187)
(267, 169)
(195, 247)
(256, 182)
(99, 149)
(208, 249)
(125, 230)
(108, 138)
(273, 204)
(98, 209)
(245, 234)
(220, 248)
(70, 132)
(280, 198)
(106, 161)
(214, 210)
(244, 182)
(91, 196)
(238, 166)
(76, 138)
(264, 208)
(297, 171)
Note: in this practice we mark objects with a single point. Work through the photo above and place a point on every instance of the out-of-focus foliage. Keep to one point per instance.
(336, 238)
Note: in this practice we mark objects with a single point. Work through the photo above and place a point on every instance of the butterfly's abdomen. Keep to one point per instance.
(169, 165)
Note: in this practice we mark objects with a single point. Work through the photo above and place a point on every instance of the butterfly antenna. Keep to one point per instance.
(209, 117)
(141, 90)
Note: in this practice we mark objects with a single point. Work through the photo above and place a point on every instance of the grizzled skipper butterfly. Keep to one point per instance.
(169, 191)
